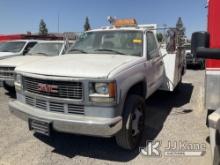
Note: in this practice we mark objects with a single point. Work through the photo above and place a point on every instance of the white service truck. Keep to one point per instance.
(99, 88)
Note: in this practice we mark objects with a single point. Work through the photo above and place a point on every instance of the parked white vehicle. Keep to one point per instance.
(191, 58)
(99, 87)
(15, 48)
(42, 50)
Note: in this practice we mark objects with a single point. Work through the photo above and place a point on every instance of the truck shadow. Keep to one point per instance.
(159, 107)
(161, 104)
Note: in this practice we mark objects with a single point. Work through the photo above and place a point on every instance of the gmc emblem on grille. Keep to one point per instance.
(47, 88)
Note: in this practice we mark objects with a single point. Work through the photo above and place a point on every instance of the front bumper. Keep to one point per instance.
(76, 124)
(9, 83)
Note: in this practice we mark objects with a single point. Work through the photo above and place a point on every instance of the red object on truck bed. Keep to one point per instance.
(10, 37)
(29, 36)
(214, 30)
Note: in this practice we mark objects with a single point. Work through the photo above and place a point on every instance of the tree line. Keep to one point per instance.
(44, 31)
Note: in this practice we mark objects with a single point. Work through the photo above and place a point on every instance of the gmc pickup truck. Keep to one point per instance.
(99, 88)
(43, 49)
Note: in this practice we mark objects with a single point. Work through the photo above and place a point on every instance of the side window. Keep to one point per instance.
(151, 46)
(28, 47)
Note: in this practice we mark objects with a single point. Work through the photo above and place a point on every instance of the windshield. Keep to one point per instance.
(11, 46)
(110, 42)
(47, 49)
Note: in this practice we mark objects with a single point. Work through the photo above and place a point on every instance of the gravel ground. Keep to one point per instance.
(171, 117)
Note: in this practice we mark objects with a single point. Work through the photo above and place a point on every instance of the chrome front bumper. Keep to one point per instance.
(9, 83)
(76, 124)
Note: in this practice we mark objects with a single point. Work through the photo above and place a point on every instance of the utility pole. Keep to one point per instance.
(58, 22)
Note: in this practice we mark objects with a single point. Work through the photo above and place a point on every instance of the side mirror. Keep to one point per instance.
(208, 53)
(200, 46)
(199, 40)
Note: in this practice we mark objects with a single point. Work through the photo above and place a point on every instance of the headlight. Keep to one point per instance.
(103, 92)
(18, 78)
(18, 81)
(101, 88)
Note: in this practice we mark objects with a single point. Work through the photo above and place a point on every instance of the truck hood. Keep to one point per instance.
(7, 55)
(77, 65)
(20, 60)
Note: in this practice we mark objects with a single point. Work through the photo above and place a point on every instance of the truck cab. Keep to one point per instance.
(15, 48)
(99, 87)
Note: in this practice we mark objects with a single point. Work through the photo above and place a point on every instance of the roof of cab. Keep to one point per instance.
(111, 28)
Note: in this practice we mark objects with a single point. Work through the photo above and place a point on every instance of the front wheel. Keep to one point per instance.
(133, 123)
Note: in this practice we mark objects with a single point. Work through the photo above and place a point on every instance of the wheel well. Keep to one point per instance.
(138, 89)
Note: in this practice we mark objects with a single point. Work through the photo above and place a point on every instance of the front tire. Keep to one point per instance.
(133, 123)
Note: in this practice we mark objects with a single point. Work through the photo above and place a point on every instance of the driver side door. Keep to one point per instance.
(156, 62)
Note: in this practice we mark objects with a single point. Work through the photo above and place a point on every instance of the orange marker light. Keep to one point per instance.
(112, 89)
(125, 22)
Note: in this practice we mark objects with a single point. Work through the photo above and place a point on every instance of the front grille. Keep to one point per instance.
(42, 104)
(64, 89)
(7, 73)
(75, 109)
(54, 106)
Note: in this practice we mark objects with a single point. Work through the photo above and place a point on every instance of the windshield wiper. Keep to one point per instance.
(110, 50)
(79, 50)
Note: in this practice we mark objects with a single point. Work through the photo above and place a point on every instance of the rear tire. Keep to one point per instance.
(133, 123)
